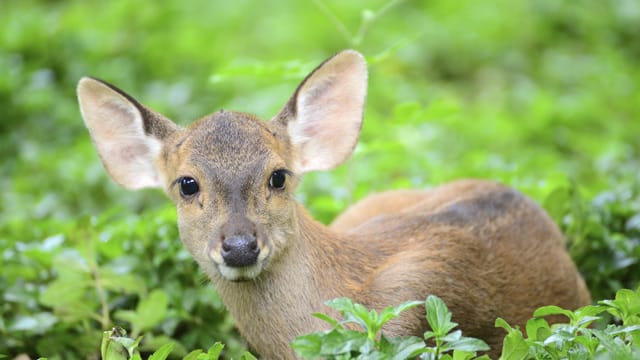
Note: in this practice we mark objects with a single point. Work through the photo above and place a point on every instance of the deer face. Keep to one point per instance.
(231, 175)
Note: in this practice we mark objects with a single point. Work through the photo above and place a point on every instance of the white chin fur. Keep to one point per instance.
(240, 273)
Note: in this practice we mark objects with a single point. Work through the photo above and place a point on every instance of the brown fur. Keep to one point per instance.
(487, 250)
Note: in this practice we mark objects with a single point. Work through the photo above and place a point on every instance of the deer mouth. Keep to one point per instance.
(240, 274)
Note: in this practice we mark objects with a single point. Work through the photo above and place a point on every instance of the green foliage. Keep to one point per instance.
(578, 339)
(113, 270)
(540, 94)
(439, 319)
(604, 234)
(117, 346)
(371, 343)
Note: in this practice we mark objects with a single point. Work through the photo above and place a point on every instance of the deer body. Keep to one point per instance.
(484, 248)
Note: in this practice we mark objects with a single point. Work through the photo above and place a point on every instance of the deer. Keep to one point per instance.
(486, 249)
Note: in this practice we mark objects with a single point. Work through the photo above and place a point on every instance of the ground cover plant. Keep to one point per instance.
(542, 95)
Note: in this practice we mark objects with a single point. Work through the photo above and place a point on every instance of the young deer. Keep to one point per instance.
(487, 250)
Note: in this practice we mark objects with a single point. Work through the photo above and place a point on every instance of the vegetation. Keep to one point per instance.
(572, 340)
(343, 343)
(542, 95)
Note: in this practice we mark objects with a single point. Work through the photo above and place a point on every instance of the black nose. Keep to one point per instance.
(240, 250)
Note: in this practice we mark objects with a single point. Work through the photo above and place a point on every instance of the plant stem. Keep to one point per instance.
(105, 320)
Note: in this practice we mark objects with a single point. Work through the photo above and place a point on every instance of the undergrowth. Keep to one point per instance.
(576, 338)
(539, 94)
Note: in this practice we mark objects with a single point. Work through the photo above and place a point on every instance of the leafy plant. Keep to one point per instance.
(117, 346)
(446, 340)
(578, 339)
(603, 233)
(342, 342)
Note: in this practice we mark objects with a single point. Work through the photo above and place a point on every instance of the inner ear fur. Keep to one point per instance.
(323, 118)
(127, 135)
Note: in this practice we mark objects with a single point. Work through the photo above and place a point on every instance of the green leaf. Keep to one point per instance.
(194, 355)
(615, 347)
(112, 350)
(163, 352)
(462, 355)
(351, 312)
(403, 347)
(538, 329)
(308, 346)
(502, 323)
(590, 310)
(626, 306)
(149, 312)
(553, 310)
(469, 344)
(338, 342)
(154, 342)
(453, 336)
(428, 335)
(214, 351)
(333, 322)
(247, 356)
(393, 312)
(129, 344)
(438, 316)
(514, 346)
(342, 304)
(128, 283)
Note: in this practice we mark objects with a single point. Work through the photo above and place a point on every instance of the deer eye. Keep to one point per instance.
(277, 179)
(188, 186)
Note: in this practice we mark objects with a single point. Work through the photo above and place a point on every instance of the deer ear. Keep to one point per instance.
(127, 135)
(324, 116)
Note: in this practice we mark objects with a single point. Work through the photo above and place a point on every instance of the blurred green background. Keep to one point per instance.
(542, 95)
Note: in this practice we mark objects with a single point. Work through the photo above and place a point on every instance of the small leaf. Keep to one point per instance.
(342, 304)
(428, 335)
(587, 320)
(128, 283)
(553, 310)
(538, 329)
(153, 309)
(194, 355)
(163, 352)
(149, 312)
(308, 346)
(324, 317)
(247, 356)
(590, 310)
(502, 323)
(351, 312)
(462, 355)
(214, 351)
(393, 312)
(514, 347)
(625, 330)
(438, 316)
(338, 342)
(401, 347)
(113, 349)
(469, 344)
(453, 336)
